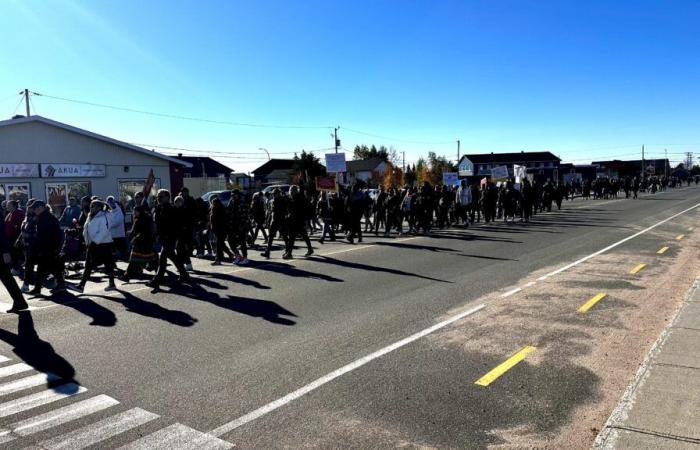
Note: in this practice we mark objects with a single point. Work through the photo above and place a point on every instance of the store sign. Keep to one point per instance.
(19, 170)
(72, 170)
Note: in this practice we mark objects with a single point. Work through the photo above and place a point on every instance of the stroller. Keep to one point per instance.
(72, 252)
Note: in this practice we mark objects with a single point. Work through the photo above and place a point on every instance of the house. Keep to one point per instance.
(204, 166)
(275, 171)
(569, 173)
(54, 161)
(364, 170)
(541, 164)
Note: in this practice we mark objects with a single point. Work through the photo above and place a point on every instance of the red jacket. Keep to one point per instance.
(13, 224)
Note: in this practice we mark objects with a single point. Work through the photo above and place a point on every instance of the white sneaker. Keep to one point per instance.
(243, 261)
(25, 288)
(188, 267)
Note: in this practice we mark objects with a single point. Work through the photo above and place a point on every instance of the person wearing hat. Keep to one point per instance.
(98, 239)
(48, 247)
(18, 302)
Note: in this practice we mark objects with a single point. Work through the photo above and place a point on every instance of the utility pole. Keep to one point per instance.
(644, 167)
(337, 142)
(688, 160)
(403, 158)
(26, 101)
(665, 163)
(458, 144)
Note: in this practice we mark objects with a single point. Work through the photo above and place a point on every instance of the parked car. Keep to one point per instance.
(224, 196)
(282, 187)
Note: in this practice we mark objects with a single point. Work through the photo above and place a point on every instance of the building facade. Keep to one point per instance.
(542, 164)
(52, 161)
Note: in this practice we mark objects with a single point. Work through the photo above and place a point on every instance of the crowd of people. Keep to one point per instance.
(35, 243)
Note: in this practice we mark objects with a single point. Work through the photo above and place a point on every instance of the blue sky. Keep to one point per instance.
(585, 80)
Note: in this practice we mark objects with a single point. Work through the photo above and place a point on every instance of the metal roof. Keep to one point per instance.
(99, 137)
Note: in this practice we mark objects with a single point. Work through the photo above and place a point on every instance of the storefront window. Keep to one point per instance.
(15, 191)
(58, 194)
(129, 188)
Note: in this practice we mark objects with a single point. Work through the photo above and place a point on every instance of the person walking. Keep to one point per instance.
(97, 233)
(166, 230)
(48, 247)
(117, 228)
(297, 222)
(13, 228)
(141, 236)
(217, 227)
(18, 301)
(26, 243)
(280, 209)
(184, 231)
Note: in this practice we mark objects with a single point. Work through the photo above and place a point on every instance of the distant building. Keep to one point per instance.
(275, 171)
(618, 169)
(364, 170)
(541, 164)
(568, 173)
(204, 166)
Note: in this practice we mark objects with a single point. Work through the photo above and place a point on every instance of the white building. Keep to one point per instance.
(48, 160)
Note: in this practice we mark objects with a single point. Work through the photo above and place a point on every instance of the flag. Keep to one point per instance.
(150, 181)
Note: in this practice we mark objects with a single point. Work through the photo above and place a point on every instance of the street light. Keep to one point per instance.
(265, 150)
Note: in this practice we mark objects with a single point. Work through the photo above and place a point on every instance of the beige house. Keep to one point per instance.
(48, 160)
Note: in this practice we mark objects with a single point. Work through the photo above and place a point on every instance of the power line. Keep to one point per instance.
(179, 117)
(388, 138)
(194, 150)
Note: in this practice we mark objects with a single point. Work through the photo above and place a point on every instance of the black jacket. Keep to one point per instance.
(48, 235)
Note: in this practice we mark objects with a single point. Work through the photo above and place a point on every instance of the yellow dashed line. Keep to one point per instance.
(680, 236)
(662, 250)
(589, 304)
(505, 366)
(637, 268)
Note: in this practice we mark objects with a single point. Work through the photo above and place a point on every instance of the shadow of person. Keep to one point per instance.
(370, 268)
(100, 315)
(39, 354)
(148, 309)
(265, 309)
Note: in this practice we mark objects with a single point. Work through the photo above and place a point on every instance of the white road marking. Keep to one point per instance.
(14, 369)
(26, 383)
(57, 417)
(530, 284)
(178, 437)
(99, 431)
(511, 292)
(4, 359)
(610, 247)
(230, 426)
(39, 399)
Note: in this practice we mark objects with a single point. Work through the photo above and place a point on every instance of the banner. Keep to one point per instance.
(19, 170)
(519, 172)
(499, 172)
(72, 170)
(450, 178)
(326, 183)
(335, 162)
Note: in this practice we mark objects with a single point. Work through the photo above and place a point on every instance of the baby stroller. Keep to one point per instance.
(72, 252)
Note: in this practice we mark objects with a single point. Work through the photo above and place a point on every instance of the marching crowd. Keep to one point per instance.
(35, 243)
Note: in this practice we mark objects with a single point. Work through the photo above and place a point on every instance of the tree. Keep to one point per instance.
(364, 152)
(308, 167)
(438, 165)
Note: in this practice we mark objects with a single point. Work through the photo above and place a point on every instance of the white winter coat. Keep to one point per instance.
(97, 229)
(117, 223)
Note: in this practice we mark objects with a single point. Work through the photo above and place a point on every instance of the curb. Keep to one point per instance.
(608, 435)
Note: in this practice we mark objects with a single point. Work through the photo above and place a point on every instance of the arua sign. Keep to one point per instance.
(72, 170)
(19, 170)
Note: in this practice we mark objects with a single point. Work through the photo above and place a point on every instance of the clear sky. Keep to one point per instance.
(583, 79)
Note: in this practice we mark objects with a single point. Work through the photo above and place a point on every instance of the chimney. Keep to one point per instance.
(179, 155)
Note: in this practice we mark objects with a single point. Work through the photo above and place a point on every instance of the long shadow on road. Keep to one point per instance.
(39, 354)
(149, 309)
(367, 267)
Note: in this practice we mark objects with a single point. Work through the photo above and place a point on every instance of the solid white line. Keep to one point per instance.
(177, 437)
(14, 369)
(99, 431)
(39, 399)
(60, 416)
(227, 427)
(511, 292)
(530, 284)
(610, 247)
(27, 382)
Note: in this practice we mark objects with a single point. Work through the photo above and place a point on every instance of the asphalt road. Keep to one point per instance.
(192, 360)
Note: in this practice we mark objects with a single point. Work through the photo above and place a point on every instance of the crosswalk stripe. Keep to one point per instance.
(14, 369)
(40, 398)
(59, 416)
(178, 437)
(4, 359)
(99, 431)
(27, 382)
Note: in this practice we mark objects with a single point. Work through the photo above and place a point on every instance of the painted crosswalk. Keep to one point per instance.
(52, 404)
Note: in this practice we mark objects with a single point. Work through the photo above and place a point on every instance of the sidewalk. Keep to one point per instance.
(661, 407)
